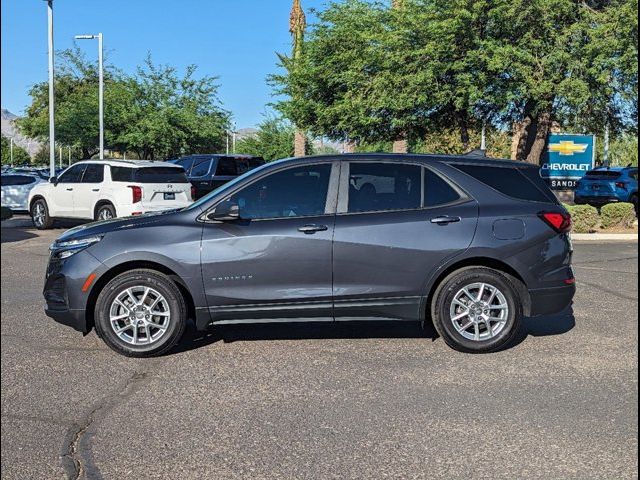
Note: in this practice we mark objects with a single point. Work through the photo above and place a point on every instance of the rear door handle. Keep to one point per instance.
(445, 220)
(69, 189)
(311, 229)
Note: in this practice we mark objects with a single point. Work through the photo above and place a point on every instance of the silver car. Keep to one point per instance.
(15, 190)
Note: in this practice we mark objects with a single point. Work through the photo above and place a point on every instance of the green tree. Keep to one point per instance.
(168, 115)
(20, 155)
(273, 141)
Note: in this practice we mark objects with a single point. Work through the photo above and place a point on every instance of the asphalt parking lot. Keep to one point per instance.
(366, 400)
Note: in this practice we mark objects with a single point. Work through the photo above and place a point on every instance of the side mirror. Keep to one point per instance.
(226, 211)
(53, 180)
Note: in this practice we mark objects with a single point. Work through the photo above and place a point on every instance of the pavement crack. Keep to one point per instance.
(76, 458)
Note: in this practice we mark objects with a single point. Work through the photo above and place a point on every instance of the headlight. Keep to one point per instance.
(67, 248)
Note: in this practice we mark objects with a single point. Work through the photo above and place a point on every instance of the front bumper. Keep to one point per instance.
(66, 302)
(549, 301)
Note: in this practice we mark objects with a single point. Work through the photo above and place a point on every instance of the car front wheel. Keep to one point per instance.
(40, 215)
(141, 313)
(477, 310)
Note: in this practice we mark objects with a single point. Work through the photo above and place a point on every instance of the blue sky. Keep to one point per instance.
(235, 40)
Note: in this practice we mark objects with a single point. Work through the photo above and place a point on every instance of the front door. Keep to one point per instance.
(274, 263)
(396, 223)
(64, 195)
(88, 191)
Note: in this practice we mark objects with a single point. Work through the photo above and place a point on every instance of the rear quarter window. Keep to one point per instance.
(13, 180)
(509, 181)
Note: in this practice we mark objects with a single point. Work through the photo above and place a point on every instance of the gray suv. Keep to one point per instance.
(469, 243)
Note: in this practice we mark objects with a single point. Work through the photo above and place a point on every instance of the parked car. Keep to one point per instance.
(608, 185)
(208, 172)
(473, 244)
(102, 190)
(15, 190)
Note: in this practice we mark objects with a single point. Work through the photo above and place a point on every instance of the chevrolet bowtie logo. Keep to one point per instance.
(568, 148)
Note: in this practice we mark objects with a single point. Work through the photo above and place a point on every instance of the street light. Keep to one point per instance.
(101, 86)
(52, 128)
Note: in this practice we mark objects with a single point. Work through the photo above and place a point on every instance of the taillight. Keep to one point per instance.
(621, 185)
(136, 193)
(560, 222)
(193, 192)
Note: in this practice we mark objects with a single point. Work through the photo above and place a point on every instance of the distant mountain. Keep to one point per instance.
(10, 130)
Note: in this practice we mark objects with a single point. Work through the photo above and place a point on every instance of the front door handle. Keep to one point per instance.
(445, 220)
(95, 190)
(69, 189)
(311, 229)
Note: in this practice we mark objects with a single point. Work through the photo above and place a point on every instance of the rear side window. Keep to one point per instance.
(149, 175)
(508, 181)
(13, 180)
(201, 167)
(377, 187)
(437, 191)
(93, 174)
(226, 167)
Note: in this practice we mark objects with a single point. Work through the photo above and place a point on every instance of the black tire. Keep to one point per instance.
(40, 215)
(103, 209)
(141, 278)
(452, 285)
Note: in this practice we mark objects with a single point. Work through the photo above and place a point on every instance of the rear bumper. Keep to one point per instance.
(596, 200)
(547, 301)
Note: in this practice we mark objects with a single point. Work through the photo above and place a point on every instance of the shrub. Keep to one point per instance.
(585, 218)
(5, 213)
(618, 215)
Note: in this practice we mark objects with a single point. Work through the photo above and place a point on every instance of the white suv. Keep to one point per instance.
(104, 189)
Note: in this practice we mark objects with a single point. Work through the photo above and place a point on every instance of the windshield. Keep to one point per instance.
(226, 186)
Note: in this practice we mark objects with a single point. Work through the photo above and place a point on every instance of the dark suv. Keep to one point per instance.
(471, 243)
(208, 172)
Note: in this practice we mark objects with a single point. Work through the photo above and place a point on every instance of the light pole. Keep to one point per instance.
(101, 86)
(52, 128)
(11, 150)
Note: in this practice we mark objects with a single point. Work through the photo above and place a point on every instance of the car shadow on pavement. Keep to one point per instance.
(304, 331)
(15, 234)
(536, 327)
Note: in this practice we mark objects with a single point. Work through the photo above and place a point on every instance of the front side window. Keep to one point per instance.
(377, 187)
(93, 174)
(201, 167)
(296, 192)
(73, 174)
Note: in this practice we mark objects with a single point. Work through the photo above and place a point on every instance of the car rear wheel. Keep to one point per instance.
(141, 313)
(105, 212)
(40, 215)
(477, 310)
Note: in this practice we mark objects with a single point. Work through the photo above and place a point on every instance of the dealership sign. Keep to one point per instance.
(567, 159)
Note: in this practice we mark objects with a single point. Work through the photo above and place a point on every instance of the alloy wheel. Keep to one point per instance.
(479, 312)
(140, 315)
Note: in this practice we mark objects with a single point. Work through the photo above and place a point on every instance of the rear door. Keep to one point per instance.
(275, 262)
(88, 191)
(396, 223)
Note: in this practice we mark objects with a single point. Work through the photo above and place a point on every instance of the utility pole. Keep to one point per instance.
(483, 143)
(52, 128)
(606, 145)
(100, 85)
(69, 155)
(60, 155)
(11, 150)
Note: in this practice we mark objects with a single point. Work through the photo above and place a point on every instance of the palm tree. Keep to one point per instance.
(297, 26)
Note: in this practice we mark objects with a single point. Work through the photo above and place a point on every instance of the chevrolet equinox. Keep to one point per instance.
(470, 243)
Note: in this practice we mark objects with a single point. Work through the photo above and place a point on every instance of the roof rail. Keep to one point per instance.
(476, 153)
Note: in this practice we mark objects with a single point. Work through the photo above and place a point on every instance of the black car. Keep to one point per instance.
(208, 172)
(471, 244)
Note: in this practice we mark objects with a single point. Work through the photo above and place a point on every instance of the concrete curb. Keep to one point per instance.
(605, 237)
